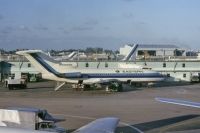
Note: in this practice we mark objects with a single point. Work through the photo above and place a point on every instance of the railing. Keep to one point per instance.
(16, 58)
(167, 58)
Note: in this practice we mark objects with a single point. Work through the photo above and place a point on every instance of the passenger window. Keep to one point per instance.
(183, 65)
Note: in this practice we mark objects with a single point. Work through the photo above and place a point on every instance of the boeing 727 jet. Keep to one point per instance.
(57, 71)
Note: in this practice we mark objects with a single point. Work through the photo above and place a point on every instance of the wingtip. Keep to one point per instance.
(101, 125)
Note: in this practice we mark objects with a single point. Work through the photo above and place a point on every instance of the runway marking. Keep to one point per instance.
(135, 128)
(92, 118)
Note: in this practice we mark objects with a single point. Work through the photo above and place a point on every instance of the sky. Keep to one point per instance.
(110, 24)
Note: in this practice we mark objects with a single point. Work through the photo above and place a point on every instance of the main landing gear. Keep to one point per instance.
(115, 87)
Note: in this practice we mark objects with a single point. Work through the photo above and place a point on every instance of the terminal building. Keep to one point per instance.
(169, 60)
(16, 68)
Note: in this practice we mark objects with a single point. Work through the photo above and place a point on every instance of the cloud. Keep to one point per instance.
(128, 15)
(82, 28)
(128, 0)
(42, 28)
(23, 28)
(91, 22)
(88, 25)
(61, 28)
(106, 28)
(66, 32)
(1, 17)
(198, 28)
(14, 29)
(7, 30)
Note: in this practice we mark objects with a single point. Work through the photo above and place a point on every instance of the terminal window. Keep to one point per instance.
(164, 64)
(106, 64)
(12, 75)
(87, 64)
(146, 53)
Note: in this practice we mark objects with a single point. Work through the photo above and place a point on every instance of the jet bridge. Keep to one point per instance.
(29, 118)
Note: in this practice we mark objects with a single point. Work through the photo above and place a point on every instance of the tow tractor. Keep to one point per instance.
(11, 83)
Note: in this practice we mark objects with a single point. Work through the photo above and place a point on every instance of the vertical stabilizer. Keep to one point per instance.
(42, 62)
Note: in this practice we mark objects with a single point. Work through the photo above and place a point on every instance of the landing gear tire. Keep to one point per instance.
(115, 86)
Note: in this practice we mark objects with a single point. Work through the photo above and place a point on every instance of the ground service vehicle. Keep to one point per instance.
(30, 118)
(15, 83)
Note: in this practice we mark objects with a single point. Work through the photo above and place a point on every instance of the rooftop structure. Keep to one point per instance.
(148, 50)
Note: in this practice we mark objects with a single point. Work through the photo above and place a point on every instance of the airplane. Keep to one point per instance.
(73, 55)
(62, 73)
(179, 102)
(102, 125)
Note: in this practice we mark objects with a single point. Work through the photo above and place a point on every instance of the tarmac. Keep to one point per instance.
(136, 107)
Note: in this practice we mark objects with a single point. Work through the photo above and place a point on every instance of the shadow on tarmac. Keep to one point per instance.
(180, 123)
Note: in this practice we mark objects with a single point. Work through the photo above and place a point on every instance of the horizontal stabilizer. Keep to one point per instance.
(103, 125)
(28, 52)
(179, 102)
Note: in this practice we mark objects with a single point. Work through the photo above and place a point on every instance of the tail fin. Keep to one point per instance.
(40, 61)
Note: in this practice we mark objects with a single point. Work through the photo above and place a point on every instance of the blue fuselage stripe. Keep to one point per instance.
(123, 75)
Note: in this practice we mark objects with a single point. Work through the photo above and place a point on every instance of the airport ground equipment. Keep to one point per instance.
(30, 118)
(15, 83)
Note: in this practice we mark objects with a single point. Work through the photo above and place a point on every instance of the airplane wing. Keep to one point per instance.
(103, 125)
(179, 102)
